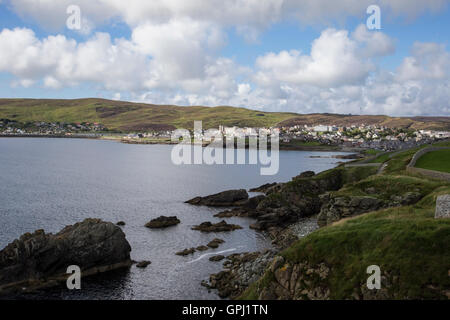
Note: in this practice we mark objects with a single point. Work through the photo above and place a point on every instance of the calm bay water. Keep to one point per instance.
(50, 183)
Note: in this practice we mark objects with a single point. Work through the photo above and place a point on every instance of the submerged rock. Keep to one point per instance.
(217, 258)
(222, 199)
(143, 264)
(215, 243)
(38, 259)
(163, 222)
(185, 252)
(216, 227)
(236, 212)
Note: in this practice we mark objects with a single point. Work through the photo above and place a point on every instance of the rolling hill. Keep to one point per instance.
(129, 116)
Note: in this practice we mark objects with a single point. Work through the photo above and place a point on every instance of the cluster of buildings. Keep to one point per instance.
(362, 136)
(165, 134)
(365, 136)
(11, 127)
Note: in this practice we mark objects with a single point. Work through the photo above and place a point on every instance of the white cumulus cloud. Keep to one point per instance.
(336, 59)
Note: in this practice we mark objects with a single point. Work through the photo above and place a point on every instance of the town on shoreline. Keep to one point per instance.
(297, 137)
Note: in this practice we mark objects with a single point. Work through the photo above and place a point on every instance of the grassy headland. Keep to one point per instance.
(410, 246)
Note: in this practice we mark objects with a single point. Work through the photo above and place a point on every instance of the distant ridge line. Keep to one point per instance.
(129, 116)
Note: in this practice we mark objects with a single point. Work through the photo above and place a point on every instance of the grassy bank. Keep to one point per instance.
(410, 246)
(406, 242)
(435, 160)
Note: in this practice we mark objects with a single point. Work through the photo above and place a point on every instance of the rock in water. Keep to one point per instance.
(143, 264)
(216, 227)
(185, 252)
(39, 259)
(163, 222)
(223, 199)
(215, 243)
(216, 258)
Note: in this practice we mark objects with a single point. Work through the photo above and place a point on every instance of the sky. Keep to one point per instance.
(272, 55)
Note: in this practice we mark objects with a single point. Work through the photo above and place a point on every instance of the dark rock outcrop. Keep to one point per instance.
(307, 281)
(162, 222)
(306, 174)
(263, 188)
(223, 199)
(296, 281)
(342, 207)
(337, 208)
(247, 208)
(235, 212)
(252, 203)
(38, 259)
(120, 223)
(268, 188)
(216, 227)
(241, 269)
(294, 200)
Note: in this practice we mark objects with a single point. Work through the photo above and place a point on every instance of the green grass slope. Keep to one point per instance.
(406, 242)
(130, 116)
(435, 160)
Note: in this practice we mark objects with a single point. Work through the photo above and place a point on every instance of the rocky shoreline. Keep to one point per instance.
(284, 212)
(242, 269)
(287, 212)
(39, 260)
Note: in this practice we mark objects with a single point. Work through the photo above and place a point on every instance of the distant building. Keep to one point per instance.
(320, 128)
